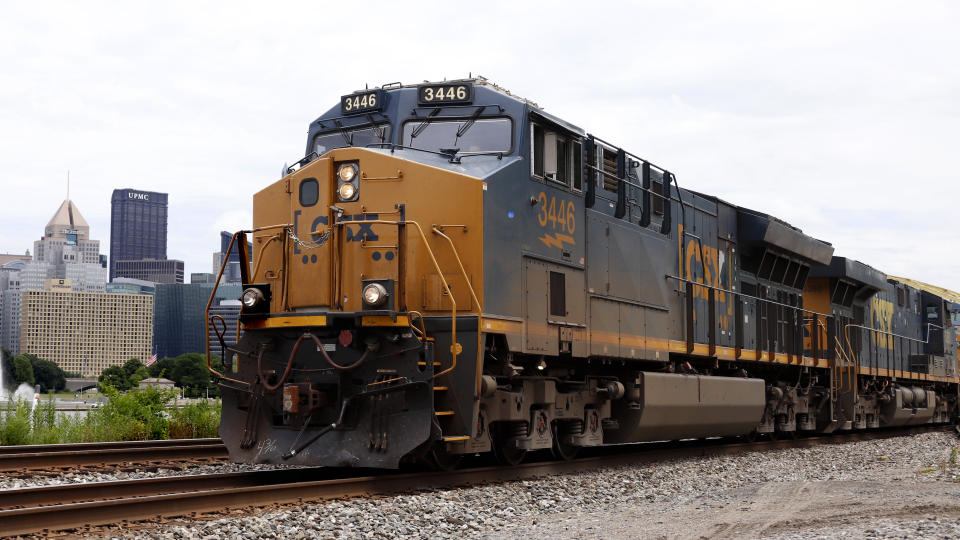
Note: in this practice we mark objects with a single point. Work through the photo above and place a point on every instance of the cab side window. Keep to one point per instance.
(556, 156)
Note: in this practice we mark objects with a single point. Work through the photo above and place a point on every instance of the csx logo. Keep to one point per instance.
(140, 196)
(358, 232)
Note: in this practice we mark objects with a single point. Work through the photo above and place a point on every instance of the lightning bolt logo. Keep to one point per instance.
(557, 240)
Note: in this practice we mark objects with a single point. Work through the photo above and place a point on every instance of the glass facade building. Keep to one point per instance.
(178, 322)
(138, 226)
(157, 271)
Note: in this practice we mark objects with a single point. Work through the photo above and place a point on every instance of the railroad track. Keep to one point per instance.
(76, 506)
(26, 459)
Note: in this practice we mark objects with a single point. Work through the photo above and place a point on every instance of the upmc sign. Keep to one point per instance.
(140, 196)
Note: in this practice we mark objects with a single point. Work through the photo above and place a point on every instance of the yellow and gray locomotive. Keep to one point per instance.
(452, 270)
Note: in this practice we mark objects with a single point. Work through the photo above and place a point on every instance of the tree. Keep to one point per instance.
(114, 376)
(138, 376)
(47, 374)
(22, 370)
(132, 365)
(161, 368)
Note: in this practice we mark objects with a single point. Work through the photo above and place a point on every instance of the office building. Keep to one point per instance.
(179, 315)
(10, 290)
(231, 272)
(131, 286)
(7, 258)
(230, 311)
(202, 277)
(66, 251)
(138, 227)
(155, 270)
(85, 332)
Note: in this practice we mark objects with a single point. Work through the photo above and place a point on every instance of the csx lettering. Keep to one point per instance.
(709, 274)
(559, 214)
(364, 233)
(882, 319)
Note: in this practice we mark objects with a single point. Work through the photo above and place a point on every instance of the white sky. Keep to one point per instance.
(841, 118)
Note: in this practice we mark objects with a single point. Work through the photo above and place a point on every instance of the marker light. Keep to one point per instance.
(347, 191)
(374, 294)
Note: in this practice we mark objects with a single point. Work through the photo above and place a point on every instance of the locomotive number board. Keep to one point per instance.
(430, 94)
(362, 102)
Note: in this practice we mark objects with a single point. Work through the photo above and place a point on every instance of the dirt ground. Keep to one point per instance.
(772, 509)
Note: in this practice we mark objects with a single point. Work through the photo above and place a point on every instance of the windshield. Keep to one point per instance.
(365, 136)
(482, 135)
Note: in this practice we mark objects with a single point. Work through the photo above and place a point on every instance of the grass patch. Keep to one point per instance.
(140, 414)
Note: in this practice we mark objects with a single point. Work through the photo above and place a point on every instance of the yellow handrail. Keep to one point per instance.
(206, 313)
(473, 295)
(455, 347)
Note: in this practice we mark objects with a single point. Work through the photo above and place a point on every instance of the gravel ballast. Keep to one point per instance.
(105, 475)
(905, 487)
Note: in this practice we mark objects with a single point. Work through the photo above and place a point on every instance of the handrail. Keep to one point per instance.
(846, 335)
(744, 295)
(206, 314)
(455, 347)
(473, 294)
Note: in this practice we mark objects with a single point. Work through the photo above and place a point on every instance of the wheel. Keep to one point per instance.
(438, 458)
(560, 449)
(504, 449)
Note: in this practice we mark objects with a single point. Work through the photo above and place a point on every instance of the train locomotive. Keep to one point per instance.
(451, 270)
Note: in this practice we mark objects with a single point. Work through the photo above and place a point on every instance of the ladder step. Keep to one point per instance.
(424, 363)
(444, 413)
(455, 438)
(441, 388)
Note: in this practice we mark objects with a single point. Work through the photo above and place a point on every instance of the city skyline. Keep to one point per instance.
(823, 121)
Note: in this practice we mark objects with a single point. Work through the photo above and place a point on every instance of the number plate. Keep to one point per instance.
(445, 93)
(362, 102)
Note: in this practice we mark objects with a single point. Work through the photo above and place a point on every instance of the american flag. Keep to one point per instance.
(153, 358)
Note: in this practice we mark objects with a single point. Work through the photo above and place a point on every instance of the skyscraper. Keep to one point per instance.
(66, 251)
(138, 226)
(231, 272)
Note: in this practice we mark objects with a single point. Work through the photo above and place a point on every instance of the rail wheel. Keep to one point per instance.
(504, 443)
(442, 460)
(562, 449)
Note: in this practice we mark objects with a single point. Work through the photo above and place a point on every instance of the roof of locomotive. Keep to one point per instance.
(946, 294)
(401, 104)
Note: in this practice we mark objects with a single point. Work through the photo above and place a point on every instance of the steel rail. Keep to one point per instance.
(69, 447)
(14, 458)
(201, 494)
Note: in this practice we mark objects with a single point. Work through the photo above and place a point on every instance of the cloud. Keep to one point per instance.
(838, 117)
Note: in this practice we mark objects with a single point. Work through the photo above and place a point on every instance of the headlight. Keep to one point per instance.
(347, 172)
(374, 294)
(348, 176)
(347, 191)
(251, 298)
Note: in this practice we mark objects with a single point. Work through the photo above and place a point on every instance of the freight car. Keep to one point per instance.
(453, 270)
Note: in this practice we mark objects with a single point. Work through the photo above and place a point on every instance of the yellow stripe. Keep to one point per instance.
(381, 320)
(286, 322)
(498, 325)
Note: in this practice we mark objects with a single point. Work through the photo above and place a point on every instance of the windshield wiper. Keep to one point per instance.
(469, 123)
(423, 125)
(347, 136)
